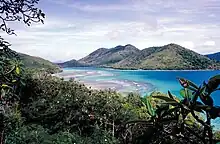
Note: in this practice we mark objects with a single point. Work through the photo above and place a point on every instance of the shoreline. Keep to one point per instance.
(109, 68)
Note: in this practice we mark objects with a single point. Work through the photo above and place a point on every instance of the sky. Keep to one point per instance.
(75, 28)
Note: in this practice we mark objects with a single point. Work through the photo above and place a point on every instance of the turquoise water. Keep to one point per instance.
(140, 81)
(159, 80)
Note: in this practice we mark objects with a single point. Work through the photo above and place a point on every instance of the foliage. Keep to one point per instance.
(67, 105)
(19, 10)
(36, 134)
(178, 120)
(10, 88)
(38, 64)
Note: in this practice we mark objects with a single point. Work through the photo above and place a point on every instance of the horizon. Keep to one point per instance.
(73, 29)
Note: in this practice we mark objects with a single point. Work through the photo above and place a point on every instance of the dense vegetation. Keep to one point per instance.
(166, 57)
(41, 109)
(38, 63)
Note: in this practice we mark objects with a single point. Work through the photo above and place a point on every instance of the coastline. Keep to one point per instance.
(133, 69)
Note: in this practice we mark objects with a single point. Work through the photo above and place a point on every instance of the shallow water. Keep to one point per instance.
(140, 81)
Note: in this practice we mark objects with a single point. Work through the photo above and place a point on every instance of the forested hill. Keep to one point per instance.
(38, 63)
(171, 56)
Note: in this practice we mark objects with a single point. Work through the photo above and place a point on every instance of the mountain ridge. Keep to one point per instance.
(35, 62)
(170, 56)
(104, 56)
(214, 56)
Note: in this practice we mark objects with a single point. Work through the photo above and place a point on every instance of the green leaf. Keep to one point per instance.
(182, 93)
(167, 99)
(14, 81)
(10, 70)
(189, 122)
(192, 84)
(213, 83)
(150, 108)
(187, 93)
(4, 85)
(192, 89)
(17, 70)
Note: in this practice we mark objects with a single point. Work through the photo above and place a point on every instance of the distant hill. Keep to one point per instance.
(171, 56)
(104, 56)
(71, 63)
(38, 63)
(214, 56)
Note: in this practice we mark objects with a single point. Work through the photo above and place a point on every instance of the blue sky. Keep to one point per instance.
(75, 28)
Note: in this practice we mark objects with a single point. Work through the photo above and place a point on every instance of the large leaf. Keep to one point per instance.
(150, 108)
(213, 83)
(192, 89)
(166, 99)
(189, 122)
(185, 93)
(192, 84)
(170, 95)
(188, 84)
(203, 89)
(214, 112)
(207, 100)
(196, 95)
(182, 93)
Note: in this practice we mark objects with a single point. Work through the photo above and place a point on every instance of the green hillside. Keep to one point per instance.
(171, 56)
(105, 57)
(71, 63)
(38, 63)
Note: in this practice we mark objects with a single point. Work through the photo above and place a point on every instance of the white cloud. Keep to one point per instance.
(188, 44)
(209, 43)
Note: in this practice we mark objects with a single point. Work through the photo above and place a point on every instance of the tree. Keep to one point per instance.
(10, 66)
(179, 121)
(19, 10)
